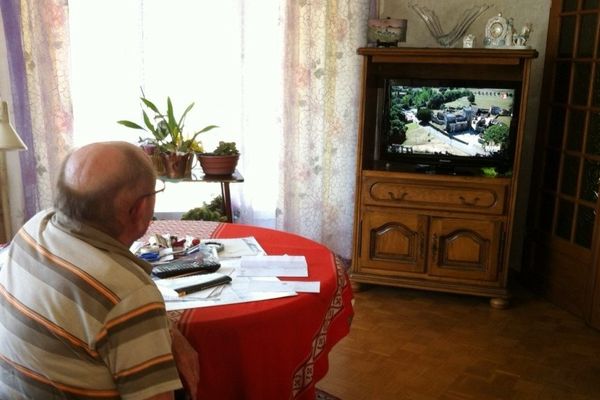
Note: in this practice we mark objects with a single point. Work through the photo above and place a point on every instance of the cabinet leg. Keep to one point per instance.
(499, 303)
(357, 286)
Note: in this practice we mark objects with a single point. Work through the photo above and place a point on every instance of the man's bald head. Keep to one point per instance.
(100, 181)
(98, 166)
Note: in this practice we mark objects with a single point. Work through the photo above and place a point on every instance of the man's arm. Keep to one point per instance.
(186, 359)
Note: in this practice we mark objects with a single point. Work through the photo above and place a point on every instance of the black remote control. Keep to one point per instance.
(184, 267)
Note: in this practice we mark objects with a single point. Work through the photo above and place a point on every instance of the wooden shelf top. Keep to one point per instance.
(439, 55)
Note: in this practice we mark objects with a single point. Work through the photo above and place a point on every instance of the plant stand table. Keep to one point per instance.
(223, 180)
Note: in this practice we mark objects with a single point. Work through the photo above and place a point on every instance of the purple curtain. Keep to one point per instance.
(37, 36)
(11, 16)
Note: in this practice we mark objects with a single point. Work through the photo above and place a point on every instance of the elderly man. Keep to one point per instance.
(79, 315)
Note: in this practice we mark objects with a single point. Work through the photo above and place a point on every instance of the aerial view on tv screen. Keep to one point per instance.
(455, 121)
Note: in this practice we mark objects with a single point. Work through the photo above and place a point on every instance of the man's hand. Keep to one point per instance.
(186, 360)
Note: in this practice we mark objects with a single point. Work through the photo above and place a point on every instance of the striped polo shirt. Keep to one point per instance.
(80, 317)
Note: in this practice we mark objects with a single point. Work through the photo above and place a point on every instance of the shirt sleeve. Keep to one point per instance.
(136, 346)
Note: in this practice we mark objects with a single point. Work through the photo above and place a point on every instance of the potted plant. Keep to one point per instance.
(167, 137)
(222, 161)
(150, 147)
(208, 212)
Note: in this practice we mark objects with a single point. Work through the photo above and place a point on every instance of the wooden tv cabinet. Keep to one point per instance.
(438, 232)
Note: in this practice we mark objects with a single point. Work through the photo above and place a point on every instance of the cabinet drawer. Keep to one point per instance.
(463, 196)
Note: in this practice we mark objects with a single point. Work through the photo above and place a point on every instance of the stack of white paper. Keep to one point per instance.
(254, 277)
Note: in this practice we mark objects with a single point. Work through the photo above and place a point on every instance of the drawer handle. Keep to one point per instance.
(398, 198)
(469, 203)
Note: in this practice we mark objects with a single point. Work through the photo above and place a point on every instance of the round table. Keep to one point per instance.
(272, 349)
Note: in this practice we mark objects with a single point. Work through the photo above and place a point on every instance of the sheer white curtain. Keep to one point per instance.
(322, 75)
(225, 56)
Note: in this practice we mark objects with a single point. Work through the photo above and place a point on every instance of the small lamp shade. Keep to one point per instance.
(9, 139)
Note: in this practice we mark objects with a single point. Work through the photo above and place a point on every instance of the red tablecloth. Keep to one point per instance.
(274, 349)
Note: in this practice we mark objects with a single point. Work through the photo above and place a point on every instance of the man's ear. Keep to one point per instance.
(137, 207)
(134, 215)
(138, 214)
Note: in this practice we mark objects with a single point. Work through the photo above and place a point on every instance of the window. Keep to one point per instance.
(225, 56)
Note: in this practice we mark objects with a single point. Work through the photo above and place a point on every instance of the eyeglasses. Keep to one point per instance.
(160, 187)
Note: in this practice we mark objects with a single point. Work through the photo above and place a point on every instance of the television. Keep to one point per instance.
(441, 126)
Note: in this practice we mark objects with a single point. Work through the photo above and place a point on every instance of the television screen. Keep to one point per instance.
(462, 124)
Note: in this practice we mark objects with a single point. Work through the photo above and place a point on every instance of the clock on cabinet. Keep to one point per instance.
(495, 32)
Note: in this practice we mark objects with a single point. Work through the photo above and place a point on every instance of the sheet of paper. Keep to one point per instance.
(135, 246)
(303, 286)
(227, 296)
(238, 247)
(259, 284)
(272, 284)
(273, 266)
(242, 288)
(168, 287)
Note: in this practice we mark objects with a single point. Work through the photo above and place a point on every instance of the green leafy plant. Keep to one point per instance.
(208, 212)
(489, 171)
(167, 130)
(216, 204)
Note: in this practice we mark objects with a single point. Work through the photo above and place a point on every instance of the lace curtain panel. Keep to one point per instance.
(37, 42)
(322, 76)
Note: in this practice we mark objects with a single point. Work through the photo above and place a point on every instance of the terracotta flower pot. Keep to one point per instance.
(152, 151)
(159, 165)
(149, 149)
(176, 164)
(218, 165)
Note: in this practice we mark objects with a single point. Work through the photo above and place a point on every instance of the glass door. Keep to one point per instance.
(565, 201)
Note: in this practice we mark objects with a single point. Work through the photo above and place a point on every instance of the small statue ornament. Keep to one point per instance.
(520, 40)
(468, 41)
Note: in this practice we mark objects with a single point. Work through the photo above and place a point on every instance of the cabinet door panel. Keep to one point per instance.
(465, 249)
(393, 241)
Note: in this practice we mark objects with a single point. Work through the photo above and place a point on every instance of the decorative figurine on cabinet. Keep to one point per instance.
(386, 32)
(510, 31)
(520, 40)
(468, 41)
